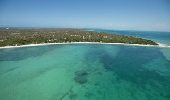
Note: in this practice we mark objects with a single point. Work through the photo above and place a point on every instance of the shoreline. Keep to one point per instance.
(42, 44)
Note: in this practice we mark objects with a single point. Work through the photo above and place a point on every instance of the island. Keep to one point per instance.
(24, 36)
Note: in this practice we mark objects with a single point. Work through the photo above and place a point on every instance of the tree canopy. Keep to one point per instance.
(12, 37)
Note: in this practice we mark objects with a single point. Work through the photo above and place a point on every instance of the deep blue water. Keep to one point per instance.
(157, 36)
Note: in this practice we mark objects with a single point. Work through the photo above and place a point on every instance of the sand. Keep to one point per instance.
(29, 45)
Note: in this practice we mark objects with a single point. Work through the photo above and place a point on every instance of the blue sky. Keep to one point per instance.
(108, 14)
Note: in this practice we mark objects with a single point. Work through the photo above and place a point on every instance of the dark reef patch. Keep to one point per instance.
(73, 96)
(88, 95)
(80, 73)
(127, 65)
(81, 77)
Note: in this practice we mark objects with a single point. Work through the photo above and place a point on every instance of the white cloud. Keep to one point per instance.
(132, 26)
(162, 26)
(5, 24)
(120, 25)
(107, 25)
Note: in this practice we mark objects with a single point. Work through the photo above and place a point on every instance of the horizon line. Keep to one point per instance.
(81, 28)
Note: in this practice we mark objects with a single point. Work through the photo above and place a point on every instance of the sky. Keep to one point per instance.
(152, 15)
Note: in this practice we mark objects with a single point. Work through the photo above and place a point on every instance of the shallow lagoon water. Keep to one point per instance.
(84, 72)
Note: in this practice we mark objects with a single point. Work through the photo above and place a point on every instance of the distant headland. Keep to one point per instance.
(25, 36)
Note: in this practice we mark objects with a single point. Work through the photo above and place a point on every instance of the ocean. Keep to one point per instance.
(88, 71)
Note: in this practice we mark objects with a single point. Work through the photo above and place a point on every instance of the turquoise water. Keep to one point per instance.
(85, 72)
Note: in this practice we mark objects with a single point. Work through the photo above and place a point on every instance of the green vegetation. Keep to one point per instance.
(12, 37)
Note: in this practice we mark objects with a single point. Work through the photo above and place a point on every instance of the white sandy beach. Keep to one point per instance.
(29, 45)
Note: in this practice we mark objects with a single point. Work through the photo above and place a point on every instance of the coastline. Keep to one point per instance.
(42, 44)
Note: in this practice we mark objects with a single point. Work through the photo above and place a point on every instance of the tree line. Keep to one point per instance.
(12, 37)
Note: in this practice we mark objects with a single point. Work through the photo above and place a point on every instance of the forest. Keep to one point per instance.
(22, 36)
